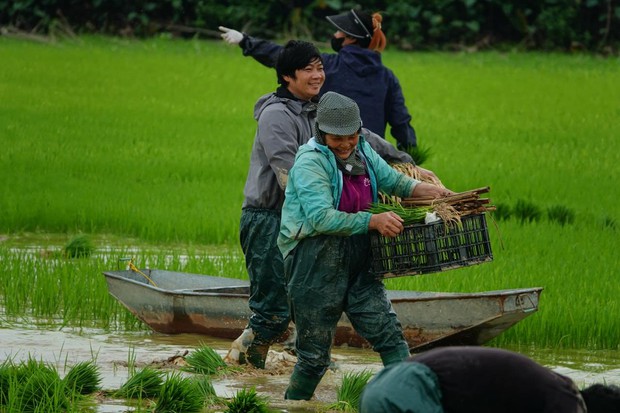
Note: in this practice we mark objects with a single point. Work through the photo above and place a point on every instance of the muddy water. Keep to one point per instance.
(113, 351)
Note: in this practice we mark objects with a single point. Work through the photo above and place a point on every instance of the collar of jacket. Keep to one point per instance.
(295, 104)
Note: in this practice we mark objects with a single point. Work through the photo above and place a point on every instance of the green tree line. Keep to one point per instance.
(566, 25)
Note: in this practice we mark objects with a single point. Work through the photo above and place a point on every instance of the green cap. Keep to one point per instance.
(338, 115)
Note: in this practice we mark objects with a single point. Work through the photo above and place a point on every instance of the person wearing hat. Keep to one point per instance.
(356, 71)
(325, 243)
(482, 380)
(285, 120)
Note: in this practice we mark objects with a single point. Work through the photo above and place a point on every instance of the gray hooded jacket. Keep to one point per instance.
(284, 124)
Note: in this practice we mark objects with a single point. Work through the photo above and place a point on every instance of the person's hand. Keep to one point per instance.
(426, 190)
(231, 36)
(428, 176)
(389, 224)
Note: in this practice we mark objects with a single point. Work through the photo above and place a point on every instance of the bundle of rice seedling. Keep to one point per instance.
(248, 401)
(179, 394)
(409, 215)
(204, 360)
(350, 391)
(143, 383)
(83, 378)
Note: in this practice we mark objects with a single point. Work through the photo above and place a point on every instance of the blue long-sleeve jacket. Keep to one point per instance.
(359, 74)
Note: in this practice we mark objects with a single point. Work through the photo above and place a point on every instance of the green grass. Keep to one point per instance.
(150, 141)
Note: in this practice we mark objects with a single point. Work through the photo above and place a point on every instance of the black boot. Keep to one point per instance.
(257, 354)
(301, 386)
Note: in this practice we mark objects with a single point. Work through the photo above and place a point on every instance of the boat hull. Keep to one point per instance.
(173, 303)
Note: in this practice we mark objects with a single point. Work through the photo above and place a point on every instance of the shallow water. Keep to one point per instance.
(113, 351)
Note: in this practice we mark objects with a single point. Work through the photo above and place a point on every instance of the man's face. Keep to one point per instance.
(308, 81)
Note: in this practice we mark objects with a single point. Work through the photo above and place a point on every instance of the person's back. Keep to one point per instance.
(470, 380)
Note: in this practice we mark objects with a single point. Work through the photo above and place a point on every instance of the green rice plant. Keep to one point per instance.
(420, 153)
(206, 388)
(80, 246)
(350, 391)
(204, 360)
(561, 214)
(40, 388)
(609, 222)
(143, 383)
(247, 401)
(7, 374)
(84, 378)
(410, 215)
(179, 394)
(526, 211)
(502, 211)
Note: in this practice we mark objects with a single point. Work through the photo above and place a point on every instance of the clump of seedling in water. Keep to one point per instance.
(180, 394)
(34, 386)
(142, 383)
(79, 246)
(350, 391)
(205, 360)
(248, 401)
(83, 378)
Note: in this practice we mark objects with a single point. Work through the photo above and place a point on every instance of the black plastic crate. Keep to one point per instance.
(427, 248)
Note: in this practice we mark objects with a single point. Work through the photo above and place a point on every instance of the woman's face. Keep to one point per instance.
(342, 146)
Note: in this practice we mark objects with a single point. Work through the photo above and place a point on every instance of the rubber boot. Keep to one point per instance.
(301, 386)
(257, 354)
(397, 355)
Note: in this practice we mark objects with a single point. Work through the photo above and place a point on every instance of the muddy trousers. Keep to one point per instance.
(329, 275)
(270, 317)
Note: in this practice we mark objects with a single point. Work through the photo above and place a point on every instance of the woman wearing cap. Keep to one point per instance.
(325, 244)
(356, 71)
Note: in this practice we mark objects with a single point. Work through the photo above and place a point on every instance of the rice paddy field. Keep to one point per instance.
(144, 147)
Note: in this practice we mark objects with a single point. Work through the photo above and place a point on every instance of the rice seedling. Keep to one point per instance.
(204, 360)
(420, 153)
(143, 383)
(561, 214)
(80, 246)
(84, 378)
(409, 215)
(502, 212)
(179, 394)
(350, 391)
(206, 388)
(38, 389)
(247, 401)
(526, 211)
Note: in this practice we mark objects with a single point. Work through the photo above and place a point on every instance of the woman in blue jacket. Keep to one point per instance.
(325, 244)
(356, 71)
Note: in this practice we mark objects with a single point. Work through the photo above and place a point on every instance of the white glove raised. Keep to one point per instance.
(231, 36)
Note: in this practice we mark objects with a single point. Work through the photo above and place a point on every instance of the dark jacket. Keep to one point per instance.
(359, 74)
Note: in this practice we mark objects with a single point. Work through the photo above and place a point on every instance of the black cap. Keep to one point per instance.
(351, 23)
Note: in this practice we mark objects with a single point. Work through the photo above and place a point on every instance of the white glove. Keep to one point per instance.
(231, 36)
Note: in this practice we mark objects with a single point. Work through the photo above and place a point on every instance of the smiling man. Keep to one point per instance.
(285, 120)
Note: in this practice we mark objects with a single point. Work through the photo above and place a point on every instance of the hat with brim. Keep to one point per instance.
(338, 115)
(350, 24)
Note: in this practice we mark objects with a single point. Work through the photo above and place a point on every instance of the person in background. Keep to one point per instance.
(285, 121)
(324, 239)
(481, 380)
(355, 70)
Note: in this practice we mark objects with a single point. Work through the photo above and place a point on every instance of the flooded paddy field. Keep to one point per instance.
(114, 352)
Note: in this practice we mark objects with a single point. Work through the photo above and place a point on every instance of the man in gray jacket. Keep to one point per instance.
(285, 122)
